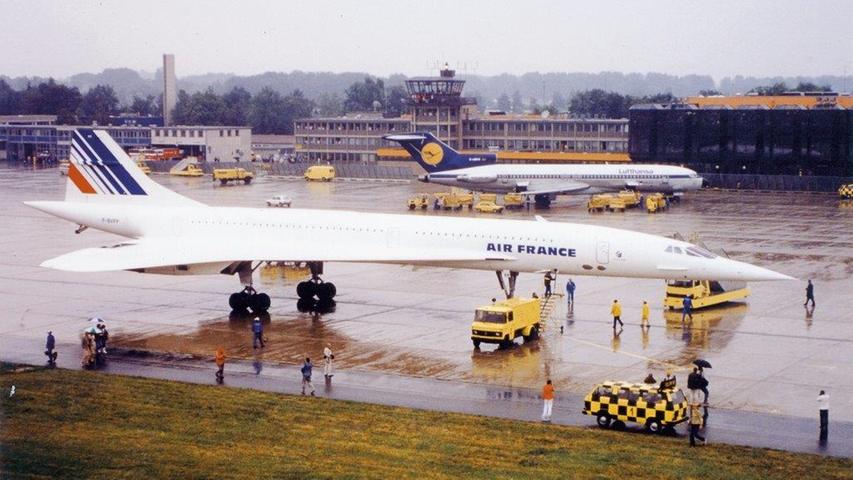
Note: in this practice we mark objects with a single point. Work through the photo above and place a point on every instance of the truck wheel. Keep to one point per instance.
(505, 343)
(247, 180)
(223, 181)
(476, 344)
(603, 420)
(534, 332)
(653, 426)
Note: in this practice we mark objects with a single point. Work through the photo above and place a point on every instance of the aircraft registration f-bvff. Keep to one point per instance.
(481, 172)
(172, 234)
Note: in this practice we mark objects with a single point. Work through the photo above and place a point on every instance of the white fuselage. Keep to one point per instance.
(514, 245)
(502, 178)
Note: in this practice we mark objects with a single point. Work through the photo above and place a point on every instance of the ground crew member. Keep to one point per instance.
(616, 311)
(547, 284)
(220, 364)
(695, 424)
(687, 308)
(644, 315)
(547, 400)
(49, 345)
(258, 333)
(327, 361)
(823, 407)
(809, 293)
(307, 367)
(570, 292)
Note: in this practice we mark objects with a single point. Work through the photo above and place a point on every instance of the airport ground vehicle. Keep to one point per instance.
(192, 170)
(279, 201)
(419, 201)
(655, 202)
(488, 197)
(615, 403)
(144, 167)
(504, 321)
(156, 154)
(846, 191)
(448, 201)
(320, 173)
(513, 200)
(631, 198)
(225, 175)
(704, 293)
(485, 206)
(598, 203)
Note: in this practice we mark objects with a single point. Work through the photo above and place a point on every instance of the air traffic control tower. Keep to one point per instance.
(437, 105)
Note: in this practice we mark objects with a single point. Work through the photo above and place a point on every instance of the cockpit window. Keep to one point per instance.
(676, 250)
(668, 249)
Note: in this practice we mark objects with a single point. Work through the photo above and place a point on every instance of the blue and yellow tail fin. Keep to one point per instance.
(436, 156)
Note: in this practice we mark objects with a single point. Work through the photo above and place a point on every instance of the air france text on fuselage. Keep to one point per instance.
(531, 249)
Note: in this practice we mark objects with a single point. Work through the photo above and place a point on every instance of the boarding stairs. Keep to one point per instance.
(547, 306)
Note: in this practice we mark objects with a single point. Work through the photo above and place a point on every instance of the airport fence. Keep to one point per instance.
(343, 170)
(787, 183)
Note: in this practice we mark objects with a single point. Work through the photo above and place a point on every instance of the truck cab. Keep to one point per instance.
(504, 321)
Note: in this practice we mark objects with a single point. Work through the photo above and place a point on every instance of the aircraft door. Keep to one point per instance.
(602, 251)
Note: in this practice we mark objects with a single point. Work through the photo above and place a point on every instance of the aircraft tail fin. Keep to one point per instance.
(436, 156)
(101, 171)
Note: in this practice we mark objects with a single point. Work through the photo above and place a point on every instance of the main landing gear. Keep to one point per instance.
(542, 201)
(248, 298)
(316, 287)
(512, 276)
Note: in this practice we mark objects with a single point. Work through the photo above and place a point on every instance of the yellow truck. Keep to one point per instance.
(704, 293)
(631, 198)
(225, 175)
(320, 173)
(598, 203)
(488, 197)
(655, 202)
(504, 321)
(513, 200)
(192, 170)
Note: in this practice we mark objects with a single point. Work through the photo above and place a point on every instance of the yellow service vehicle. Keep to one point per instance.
(631, 198)
(450, 202)
(616, 204)
(655, 202)
(192, 170)
(488, 197)
(320, 173)
(504, 321)
(144, 167)
(485, 206)
(420, 201)
(465, 199)
(704, 293)
(225, 175)
(599, 202)
(846, 191)
(513, 200)
(652, 407)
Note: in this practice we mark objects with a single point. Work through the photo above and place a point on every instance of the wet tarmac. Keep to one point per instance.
(769, 355)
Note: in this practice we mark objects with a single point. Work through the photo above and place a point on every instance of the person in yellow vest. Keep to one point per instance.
(644, 315)
(616, 311)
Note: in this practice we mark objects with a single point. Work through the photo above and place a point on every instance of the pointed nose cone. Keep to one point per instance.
(752, 273)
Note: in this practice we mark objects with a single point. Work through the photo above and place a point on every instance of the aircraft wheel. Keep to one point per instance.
(260, 302)
(325, 291)
(306, 290)
(238, 301)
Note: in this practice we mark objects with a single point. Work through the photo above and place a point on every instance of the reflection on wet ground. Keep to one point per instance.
(769, 354)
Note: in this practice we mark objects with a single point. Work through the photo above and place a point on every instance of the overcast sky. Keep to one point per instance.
(720, 38)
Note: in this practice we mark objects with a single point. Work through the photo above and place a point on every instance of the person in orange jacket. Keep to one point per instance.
(220, 364)
(548, 400)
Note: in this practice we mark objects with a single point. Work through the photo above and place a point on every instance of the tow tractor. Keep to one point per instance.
(704, 293)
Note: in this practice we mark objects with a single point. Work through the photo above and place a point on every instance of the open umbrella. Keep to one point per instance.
(702, 363)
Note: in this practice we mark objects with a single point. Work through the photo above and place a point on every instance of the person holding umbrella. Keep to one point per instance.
(703, 382)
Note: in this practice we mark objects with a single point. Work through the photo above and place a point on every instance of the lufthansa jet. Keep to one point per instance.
(482, 173)
(167, 233)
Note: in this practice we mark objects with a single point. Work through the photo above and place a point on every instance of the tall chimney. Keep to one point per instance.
(170, 92)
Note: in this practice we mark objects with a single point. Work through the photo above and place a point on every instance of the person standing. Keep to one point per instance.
(307, 367)
(687, 308)
(49, 345)
(327, 361)
(703, 385)
(695, 424)
(548, 279)
(809, 293)
(823, 408)
(220, 364)
(644, 315)
(547, 400)
(257, 333)
(570, 293)
(616, 311)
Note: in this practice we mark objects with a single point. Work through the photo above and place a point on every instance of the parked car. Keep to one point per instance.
(279, 201)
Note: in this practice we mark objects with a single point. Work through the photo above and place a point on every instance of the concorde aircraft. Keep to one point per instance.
(481, 172)
(168, 233)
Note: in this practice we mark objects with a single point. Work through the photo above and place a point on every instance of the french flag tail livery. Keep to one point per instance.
(435, 155)
(101, 171)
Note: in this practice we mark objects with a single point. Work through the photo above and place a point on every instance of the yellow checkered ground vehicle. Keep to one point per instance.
(620, 402)
(846, 191)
